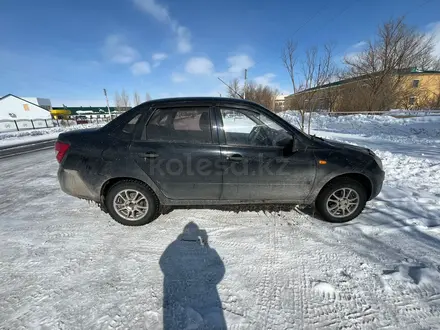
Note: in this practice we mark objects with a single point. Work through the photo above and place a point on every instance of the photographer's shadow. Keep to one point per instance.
(192, 270)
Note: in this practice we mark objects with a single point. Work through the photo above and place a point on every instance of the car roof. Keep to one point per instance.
(201, 101)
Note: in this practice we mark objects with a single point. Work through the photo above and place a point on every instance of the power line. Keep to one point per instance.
(346, 8)
(310, 19)
(417, 8)
(404, 15)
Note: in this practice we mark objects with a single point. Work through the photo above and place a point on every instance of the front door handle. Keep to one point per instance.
(235, 158)
(149, 155)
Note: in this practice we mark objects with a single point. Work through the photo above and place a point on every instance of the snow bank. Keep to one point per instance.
(14, 138)
(426, 126)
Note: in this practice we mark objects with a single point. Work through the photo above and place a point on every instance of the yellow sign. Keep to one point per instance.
(26, 107)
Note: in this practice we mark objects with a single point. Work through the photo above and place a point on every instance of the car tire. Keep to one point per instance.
(125, 194)
(349, 192)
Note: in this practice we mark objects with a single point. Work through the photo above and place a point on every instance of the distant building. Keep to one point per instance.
(14, 108)
(43, 103)
(73, 111)
(279, 102)
(418, 89)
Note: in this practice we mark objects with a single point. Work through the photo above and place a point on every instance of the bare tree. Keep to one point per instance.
(122, 101)
(234, 89)
(380, 67)
(136, 98)
(289, 58)
(118, 101)
(261, 94)
(289, 61)
(318, 69)
(147, 97)
(436, 64)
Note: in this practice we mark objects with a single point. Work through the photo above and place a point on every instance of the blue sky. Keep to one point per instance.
(69, 51)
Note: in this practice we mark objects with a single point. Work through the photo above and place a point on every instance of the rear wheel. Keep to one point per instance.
(341, 200)
(132, 203)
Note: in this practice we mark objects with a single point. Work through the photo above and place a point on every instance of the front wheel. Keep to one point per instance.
(132, 203)
(341, 200)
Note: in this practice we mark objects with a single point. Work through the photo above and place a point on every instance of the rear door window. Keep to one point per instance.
(190, 125)
(130, 126)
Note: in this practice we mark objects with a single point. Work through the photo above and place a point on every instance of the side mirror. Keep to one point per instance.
(285, 141)
(296, 146)
(288, 144)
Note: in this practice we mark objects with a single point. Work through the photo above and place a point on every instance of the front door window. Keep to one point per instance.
(249, 128)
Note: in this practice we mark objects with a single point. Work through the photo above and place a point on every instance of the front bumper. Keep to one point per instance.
(72, 183)
(377, 179)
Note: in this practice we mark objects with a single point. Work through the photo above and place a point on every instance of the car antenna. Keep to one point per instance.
(230, 88)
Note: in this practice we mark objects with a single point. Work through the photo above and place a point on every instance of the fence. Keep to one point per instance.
(9, 125)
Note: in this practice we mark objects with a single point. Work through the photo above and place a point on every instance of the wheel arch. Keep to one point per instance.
(359, 177)
(112, 181)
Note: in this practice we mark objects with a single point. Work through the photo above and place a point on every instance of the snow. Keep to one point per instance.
(65, 264)
(410, 152)
(36, 135)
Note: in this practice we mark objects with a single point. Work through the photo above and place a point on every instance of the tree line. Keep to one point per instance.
(124, 102)
(259, 93)
(375, 78)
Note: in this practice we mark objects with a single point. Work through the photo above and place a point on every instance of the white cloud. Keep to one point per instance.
(265, 79)
(350, 56)
(117, 50)
(360, 44)
(434, 32)
(140, 68)
(159, 56)
(199, 66)
(156, 10)
(183, 40)
(238, 63)
(177, 77)
(161, 13)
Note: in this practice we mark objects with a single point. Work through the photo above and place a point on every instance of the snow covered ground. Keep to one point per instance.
(35, 135)
(65, 264)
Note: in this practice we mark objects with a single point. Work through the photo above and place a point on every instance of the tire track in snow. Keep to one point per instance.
(263, 289)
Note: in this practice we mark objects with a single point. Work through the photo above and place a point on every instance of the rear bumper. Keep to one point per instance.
(72, 183)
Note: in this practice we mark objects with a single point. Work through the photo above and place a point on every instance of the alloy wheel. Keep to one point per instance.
(342, 202)
(130, 204)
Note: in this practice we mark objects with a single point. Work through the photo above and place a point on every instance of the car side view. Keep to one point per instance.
(212, 151)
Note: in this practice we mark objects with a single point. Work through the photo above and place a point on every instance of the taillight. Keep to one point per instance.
(61, 149)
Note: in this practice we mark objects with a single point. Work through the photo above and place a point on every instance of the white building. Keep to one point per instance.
(14, 108)
(44, 103)
(279, 102)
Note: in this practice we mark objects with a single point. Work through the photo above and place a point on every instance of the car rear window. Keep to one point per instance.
(179, 125)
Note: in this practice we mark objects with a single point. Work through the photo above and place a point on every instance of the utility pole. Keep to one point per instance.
(108, 107)
(245, 83)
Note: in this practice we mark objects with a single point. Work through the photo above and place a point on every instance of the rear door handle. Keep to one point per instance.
(149, 155)
(235, 158)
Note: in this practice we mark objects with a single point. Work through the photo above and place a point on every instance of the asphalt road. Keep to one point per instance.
(9, 151)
